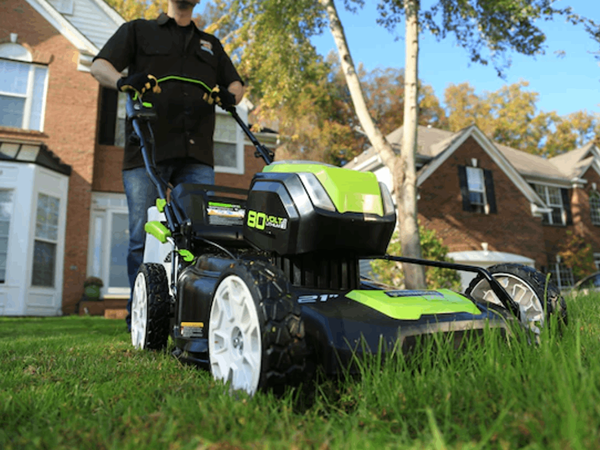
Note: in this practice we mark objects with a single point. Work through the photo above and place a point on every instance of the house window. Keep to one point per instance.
(23, 88)
(5, 215)
(228, 145)
(477, 190)
(595, 207)
(556, 199)
(562, 275)
(46, 239)
(109, 240)
(597, 261)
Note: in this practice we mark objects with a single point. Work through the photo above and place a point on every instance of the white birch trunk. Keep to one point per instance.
(398, 166)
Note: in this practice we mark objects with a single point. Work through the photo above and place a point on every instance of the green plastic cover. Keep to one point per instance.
(411, 305)
(349, 190)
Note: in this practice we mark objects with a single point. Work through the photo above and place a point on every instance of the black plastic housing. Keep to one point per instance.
(282, 197)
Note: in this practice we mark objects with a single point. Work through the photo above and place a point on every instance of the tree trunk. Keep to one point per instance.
(406, 179)
(402, 168)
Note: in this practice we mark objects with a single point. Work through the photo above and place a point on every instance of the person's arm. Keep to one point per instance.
(105, 73)
(238, 90)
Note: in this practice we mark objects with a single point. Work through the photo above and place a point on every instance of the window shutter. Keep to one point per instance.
(489, 190)
(464, 188)
(567, 205)
(108, 117)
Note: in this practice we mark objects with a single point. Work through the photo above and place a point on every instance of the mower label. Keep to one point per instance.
(316, 298)
(192, 329)
(261, 220)
(416, 293)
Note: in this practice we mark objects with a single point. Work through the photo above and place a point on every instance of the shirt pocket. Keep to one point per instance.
(153, 46)
(207, 58)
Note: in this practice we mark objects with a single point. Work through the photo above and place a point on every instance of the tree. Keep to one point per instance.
(510, 116)
(578, 254)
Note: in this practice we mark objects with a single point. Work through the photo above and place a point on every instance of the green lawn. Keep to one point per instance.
(75, 382)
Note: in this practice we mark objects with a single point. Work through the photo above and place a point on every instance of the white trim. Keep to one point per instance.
(63, 26)
(499, 159)
(110, 12)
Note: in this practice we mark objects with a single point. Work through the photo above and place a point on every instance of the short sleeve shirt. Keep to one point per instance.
(160, 47)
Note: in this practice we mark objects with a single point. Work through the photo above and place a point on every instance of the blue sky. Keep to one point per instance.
(565, 85)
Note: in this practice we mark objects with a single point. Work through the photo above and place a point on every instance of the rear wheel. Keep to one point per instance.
(537, 299)
(150, 308)
(255, 333)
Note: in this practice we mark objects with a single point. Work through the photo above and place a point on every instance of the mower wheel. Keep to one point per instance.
(528, 288)
(255, 332)
(150, 308)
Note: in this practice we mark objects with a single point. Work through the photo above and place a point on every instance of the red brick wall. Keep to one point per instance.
(69, 127)
(513, 229)
(582, 218)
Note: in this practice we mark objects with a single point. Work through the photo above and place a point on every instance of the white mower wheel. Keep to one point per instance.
(150, 308)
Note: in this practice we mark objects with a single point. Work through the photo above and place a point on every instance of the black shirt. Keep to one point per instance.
(160, 47)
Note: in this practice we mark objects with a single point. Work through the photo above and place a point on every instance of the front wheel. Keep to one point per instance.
(150, 308)
(255, 332)
(538, 299)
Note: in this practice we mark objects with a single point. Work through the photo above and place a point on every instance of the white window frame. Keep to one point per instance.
(10, 219)
(239, 142)
(543, 191)
(6, 54)
(595, 209)
(562, 275)
(471, 174)
(104, 206)
(597, 261)
(46, 240)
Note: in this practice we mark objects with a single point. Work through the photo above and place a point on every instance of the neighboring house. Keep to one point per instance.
(63, 214)
(492, 204)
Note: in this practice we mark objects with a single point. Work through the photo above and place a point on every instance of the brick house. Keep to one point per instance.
(490, 203)
(63, 213)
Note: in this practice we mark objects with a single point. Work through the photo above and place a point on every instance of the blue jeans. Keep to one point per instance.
(141, 195)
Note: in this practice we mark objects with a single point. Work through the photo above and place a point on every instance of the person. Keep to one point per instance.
(183, 132)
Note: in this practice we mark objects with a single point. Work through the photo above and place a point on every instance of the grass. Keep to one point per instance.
(75, 382)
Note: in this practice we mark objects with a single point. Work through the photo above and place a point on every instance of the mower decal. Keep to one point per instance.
(443, 301)
(315, 298)
(413, 293)
(158, 230)
(260, 221)
(350, 190)
(192, 329)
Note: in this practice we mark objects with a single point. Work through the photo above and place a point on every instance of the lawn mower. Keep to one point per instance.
(262, 285)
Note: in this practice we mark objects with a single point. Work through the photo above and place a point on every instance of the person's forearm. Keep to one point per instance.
(105, 73)
(237, 89)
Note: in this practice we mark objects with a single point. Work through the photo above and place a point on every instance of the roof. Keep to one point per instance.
(35, 152)
(87, 24)
(433, 142)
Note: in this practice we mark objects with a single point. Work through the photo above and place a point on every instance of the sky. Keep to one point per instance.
(564, 84)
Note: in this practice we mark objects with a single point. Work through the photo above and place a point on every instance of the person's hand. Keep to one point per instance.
(221, 97)
(140, 83)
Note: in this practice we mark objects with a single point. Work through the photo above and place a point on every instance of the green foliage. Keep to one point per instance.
(578, 254)
(432, 248)
(510, 116)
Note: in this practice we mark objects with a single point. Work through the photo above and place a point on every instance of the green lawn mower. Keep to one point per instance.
(262, 286)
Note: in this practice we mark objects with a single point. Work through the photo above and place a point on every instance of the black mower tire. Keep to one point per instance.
(283, 349)
(154, 333)
(537, 282)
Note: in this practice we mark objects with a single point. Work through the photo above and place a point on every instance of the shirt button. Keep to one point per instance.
(192, 141)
